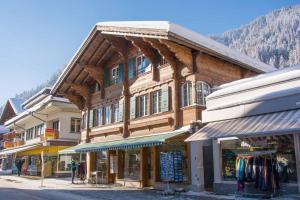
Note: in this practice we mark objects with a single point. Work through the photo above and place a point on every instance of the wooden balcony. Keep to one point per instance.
(8, 144)
(49, 134)
(19, 143)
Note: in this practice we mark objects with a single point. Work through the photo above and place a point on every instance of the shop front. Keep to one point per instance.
(260, 165)
(255, 155)
(158, 161)
(6, 164)
(32, 160)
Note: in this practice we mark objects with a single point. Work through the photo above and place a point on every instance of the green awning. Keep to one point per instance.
(130, 143)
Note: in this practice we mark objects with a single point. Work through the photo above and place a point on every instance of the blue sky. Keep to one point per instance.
(38, 37)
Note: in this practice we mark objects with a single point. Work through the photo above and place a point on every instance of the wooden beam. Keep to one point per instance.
(106, 52)
(77, 100)
(120, 44)
(83, 90)
(182, 53)
(163, 50)
(98, 75)
(149, 52)
(146, 48)
(95, 73)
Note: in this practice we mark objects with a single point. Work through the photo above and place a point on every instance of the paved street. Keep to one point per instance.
(15, 188)
(20, 188)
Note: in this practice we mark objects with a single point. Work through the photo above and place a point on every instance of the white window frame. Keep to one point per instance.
(114, 75)
(144, 69)
(77, 124)
(156, 101)
(107, 110)
(203, 89)
(38, 130)
(29, 133)
(186, 94)
(142, 105)
(115, 113)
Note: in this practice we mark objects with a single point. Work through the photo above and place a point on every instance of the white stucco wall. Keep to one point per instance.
(197, 170)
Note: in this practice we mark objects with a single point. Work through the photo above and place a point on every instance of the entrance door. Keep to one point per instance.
(150, 167)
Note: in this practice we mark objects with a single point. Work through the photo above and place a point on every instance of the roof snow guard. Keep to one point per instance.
(160, 31)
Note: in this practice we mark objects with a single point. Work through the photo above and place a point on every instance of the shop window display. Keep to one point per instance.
(174, 162)
(65, 161)
(265, 162)
(132, 164)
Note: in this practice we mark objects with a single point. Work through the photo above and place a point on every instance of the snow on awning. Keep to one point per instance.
(285, 122)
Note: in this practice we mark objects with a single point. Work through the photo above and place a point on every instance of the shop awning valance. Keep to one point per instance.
(130, 143)
(19, 149)
(277, 123)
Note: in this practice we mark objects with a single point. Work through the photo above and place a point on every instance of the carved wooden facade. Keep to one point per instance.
(174, 60)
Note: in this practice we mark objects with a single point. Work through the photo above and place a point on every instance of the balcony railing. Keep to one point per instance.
(8, 144)
(19, 143)
(49, 134)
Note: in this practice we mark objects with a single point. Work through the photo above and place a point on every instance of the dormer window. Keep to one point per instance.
(142, 65)
(114, 75)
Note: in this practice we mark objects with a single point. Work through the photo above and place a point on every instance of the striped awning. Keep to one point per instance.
(285, 122)
(130, 143)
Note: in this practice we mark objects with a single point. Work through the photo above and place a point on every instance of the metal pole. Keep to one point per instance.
(43, 167)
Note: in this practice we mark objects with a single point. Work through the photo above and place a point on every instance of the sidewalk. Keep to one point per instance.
(64, 184)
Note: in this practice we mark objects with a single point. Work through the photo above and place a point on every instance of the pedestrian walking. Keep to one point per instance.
(73, 168)
(19, 164)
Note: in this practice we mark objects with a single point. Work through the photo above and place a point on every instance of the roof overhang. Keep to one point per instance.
(152, 33)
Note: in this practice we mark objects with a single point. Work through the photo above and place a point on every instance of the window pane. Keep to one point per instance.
(73, 125)
(107, 114)
(156, 101)
(99, 117)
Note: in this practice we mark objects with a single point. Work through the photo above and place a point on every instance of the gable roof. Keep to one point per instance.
(16, 104)
(167, 31)
(3, 130)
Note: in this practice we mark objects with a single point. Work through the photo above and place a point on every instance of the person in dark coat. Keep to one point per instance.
(73, 168)
(19, 164)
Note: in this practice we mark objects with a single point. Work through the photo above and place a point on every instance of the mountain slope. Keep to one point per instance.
(273, 38)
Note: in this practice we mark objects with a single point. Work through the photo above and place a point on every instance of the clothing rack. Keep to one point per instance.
(257, 153)
(268, 153)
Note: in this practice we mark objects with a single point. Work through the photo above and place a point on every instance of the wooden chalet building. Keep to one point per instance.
(142, 87)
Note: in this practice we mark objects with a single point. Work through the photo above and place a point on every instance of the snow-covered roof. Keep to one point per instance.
(170, 31)
(3, 130)
(16, 104)
(36, 107)
(256, 82)
(45, 90)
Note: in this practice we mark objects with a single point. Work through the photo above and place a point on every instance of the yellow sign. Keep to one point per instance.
(38, 151)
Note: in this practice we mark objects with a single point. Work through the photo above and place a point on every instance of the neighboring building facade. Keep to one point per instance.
(47, 124)
(9, 110)
(254, 125)
(142, 88)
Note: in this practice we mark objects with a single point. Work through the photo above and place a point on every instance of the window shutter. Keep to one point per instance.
(106, 77)
(121, 107)
(131, 66)
(132, 108)
(165, 99)
(91, 118)
(120, 73)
